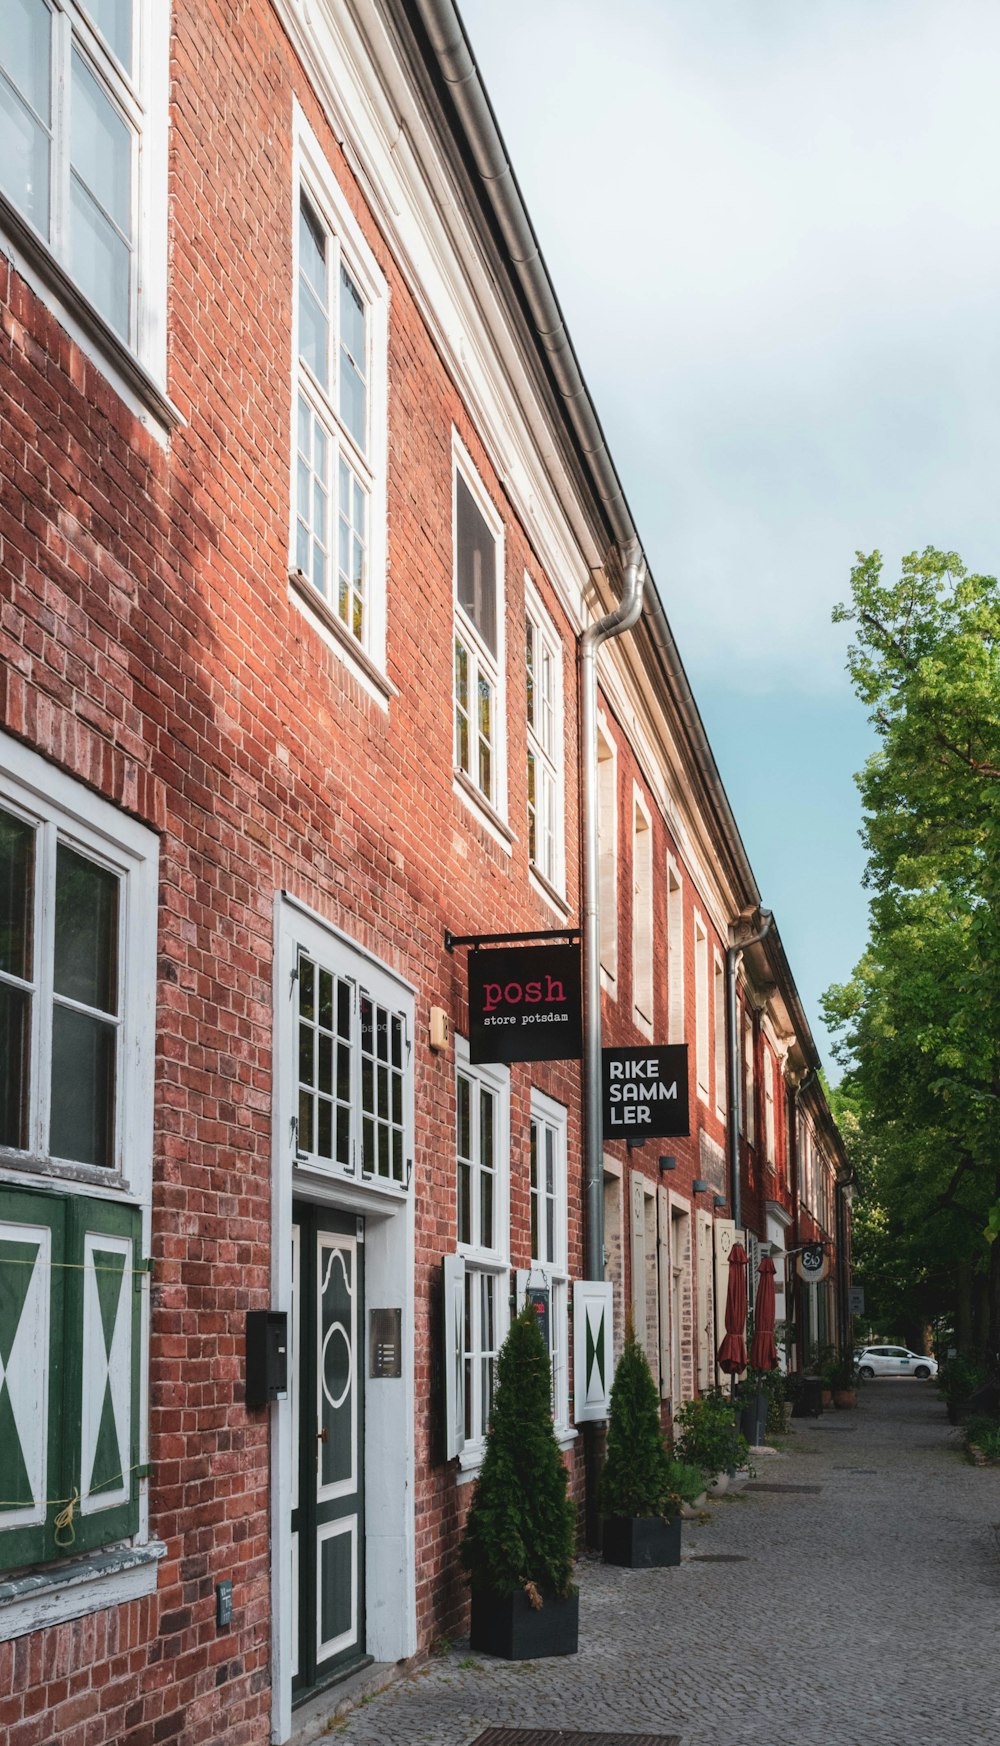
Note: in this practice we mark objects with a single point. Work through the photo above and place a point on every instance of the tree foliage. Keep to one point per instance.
(521, 1528)
(919, 1020)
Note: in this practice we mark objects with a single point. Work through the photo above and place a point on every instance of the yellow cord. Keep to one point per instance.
(64, 1520)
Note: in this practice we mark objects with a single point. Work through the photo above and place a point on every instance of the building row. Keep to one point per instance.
(311, 552)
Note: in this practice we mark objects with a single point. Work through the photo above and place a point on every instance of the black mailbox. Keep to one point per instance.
(267, 1356)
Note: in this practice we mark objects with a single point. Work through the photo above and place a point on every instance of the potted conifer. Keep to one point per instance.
(519, 1543)
(638, 1495)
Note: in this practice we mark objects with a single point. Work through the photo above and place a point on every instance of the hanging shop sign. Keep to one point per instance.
(645, 1092)
(813, 1263)
(856, 1300)
(524, 1004)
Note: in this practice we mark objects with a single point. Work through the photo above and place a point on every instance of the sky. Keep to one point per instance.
(774, 230)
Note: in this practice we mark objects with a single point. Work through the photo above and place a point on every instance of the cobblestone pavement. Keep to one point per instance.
(866, 1614)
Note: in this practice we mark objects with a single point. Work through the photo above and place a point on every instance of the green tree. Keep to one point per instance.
(919, 1019)
(521, 1528)
(637, 1479)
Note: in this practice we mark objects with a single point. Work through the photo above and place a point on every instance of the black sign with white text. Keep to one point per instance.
(524, 1004)
(645, 1092)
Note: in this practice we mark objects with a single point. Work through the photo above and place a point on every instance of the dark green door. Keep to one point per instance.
(328, 1551)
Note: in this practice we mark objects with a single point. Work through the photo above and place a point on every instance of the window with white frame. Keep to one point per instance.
(543, 666)
(642, 916)
(607, 852)
(478, 637)
(749, 1113)
(82, 151)
(675, 954)
(77, 998)
(769, 1108)
(720, 1037)
(338, 542)
(549, 1236)
(482, 1149)
(701, 1006)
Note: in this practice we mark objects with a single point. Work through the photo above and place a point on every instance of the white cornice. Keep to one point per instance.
(351, 63)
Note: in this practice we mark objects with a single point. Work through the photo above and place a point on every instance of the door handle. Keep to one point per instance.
(323, 1436)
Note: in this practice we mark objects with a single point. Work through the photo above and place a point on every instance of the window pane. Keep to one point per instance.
(17, 857)
(101, 147)
(353, 361)
(83, 1088)
(476, 566)
(15, 1062)
(86, 932)
(313, 293)
(24, 160)
(113, 19)
(25, 52)
(100, 260)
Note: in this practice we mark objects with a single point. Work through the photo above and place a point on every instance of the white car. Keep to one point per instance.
(893, 1361)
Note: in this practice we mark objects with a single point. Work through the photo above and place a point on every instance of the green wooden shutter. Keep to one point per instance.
(101, 1387)
(32, 1287)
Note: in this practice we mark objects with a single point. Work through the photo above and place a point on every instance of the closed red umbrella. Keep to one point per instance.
(763, 1352)
(732, 1356)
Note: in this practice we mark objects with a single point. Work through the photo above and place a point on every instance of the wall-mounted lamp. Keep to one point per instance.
(635, 1145)
(719, 1200)
(667, 1164)
(698, 1186)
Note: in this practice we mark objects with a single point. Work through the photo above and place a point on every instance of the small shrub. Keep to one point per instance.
(959, 1377)
(983, 1432)
(636, 1480)
(521, 1528)
(709, 1436)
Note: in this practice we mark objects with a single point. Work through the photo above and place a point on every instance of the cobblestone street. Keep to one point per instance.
(864, 1613)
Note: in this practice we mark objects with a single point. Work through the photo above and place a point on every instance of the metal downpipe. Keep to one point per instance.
(733, 1075)
(614, 624)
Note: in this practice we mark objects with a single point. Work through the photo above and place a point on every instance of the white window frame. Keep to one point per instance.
(548, 869)
(481, 660)
(675, 953)
(719, 994)
(643, 982)
(135, 363)
(63, 809)
(701, 1007)
(553, 1269)
(313, 180)
(479, 1261)
(607, 834)
(749, 1113)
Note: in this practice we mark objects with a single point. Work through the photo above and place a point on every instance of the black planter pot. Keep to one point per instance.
(642, 1542)
(509, 1626)
(753, 1418)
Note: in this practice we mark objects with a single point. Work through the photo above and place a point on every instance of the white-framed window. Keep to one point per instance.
(769, 1108)
(607, 852)
(83, 120)
(78, 883)
(543, 661)
(720, 1036)
(675, 953)
(749, 1114)
(482, 1186)
(479, 745)
(642, 915)
(701, 1006)
(338, 550)
(548, 1217)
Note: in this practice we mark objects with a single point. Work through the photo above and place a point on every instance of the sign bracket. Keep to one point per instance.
(476, 940)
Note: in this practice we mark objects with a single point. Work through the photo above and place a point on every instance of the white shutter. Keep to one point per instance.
(663, 1284)
(593, 1353)
(637, 1244)
(454, 1356)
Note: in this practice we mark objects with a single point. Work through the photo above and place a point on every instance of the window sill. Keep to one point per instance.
(71, 1590)
(120, 364)
(367, 671)
(553, 897)
(488, 816)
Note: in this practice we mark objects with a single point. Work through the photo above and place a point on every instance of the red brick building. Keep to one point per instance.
(300, 527)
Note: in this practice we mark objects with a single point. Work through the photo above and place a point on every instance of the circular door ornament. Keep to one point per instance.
(330, 1378)
(813, 1263)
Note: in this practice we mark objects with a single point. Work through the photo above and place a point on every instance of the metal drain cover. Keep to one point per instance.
(569, 1737)
(759, 1485)
(718, 1558)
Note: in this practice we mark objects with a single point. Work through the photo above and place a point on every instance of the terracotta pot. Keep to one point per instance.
(845, 1397)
